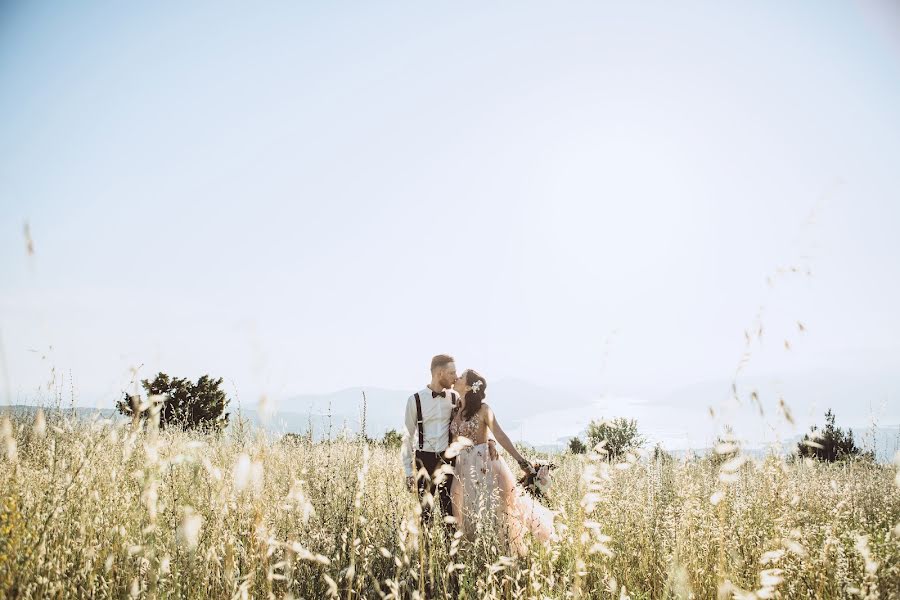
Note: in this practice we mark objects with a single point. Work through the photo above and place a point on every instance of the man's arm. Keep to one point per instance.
(407, 450)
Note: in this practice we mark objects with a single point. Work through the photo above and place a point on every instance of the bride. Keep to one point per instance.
(484, 492)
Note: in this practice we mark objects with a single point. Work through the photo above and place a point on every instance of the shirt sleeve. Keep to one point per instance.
(407, 450)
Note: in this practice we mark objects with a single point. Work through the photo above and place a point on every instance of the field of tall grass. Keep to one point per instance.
(100, 510)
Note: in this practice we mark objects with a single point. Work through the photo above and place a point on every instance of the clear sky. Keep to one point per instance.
(302, 197)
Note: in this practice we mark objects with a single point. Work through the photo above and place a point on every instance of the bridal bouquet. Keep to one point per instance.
(538, 483)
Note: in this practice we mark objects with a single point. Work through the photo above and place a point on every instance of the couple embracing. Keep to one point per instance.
(449, 454)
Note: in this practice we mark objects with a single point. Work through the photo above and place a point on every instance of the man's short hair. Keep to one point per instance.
(440, 361)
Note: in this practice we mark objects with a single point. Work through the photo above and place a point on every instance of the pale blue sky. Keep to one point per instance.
(303, 196)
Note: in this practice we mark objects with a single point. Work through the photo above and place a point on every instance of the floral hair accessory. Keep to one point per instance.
(477, 386)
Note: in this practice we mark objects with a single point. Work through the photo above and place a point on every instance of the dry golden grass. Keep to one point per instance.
(95, 510)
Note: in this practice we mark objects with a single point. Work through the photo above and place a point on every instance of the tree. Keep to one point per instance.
(830, 444)
(296, 439)
(621, 435)
(184, 404)
(392, 439)
(576, 446)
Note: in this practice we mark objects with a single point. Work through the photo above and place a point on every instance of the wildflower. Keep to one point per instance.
(332, 585)
(188, 532)
(241, 471)
(897, 463)
(771, 577)
(602, 549)
(726, 448)
(771, 556)
(6, 434)
(40, 423)
(733, 465)
(794, 547)
(862, 546)
(257, 476)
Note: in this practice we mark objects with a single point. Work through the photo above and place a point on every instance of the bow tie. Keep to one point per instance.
(435, 394)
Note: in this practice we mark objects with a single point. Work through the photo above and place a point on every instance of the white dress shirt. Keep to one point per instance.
(436, 414)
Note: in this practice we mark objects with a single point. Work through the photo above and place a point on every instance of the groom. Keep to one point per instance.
(427, 436)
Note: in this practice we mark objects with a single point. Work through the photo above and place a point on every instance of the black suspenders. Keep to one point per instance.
(419, 425)
(452, 412)
(419, 422)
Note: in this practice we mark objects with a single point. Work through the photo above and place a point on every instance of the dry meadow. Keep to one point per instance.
(99, 510)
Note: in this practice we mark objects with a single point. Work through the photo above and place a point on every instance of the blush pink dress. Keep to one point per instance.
(486, 499)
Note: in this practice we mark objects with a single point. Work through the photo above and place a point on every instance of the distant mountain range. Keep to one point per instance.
(514, 399)
(680, 419)
(384, 409)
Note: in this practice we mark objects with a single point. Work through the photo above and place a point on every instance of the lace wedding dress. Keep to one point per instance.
(486, 500)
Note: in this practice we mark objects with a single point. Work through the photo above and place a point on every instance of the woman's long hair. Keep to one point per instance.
(473, 397)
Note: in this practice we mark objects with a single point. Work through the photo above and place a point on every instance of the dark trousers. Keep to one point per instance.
(431, 461)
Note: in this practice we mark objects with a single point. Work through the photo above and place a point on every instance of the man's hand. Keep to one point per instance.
(411, 483)
(492, 450)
